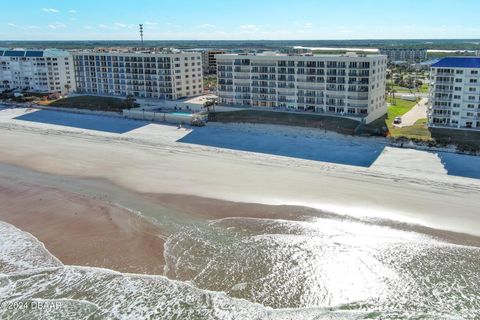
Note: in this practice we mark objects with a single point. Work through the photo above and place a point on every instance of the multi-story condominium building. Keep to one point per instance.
(409, 55)
(342, 85)
(209, 61)
(36, 70)
(455, 93)
(168, 74)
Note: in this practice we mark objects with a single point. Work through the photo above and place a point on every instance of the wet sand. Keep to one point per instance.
(219, 209)
(82, 230)
(79, 230)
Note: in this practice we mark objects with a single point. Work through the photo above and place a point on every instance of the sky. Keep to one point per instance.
(239, 19)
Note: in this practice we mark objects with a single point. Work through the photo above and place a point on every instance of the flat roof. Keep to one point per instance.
(276, 56)
(458, 62)
(33, 53)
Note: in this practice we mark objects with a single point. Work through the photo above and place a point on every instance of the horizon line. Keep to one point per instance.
(362, 39)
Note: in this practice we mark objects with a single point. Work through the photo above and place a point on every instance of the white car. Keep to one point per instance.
(397, 120)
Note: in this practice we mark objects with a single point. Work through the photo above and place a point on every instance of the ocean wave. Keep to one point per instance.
(73, 292)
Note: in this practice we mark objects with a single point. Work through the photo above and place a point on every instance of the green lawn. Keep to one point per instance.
(92, 103)
(399, 107)
(337, 124)
(423, 89)
(418, 131)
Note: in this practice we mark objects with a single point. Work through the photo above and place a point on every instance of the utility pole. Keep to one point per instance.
(141, 33)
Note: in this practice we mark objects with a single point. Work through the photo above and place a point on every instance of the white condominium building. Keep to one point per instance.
(405, 54)
(455, 93)
(146, 74)
(36, 70)
(342, 85)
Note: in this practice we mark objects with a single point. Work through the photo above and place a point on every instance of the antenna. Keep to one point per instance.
(141, 33)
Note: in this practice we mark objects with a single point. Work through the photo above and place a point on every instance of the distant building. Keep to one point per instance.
(341, 85)
(294, 50)
(425, 65)
(168, 74)
(407, 55)
(209, 61)
(36, 70)
(455, 95)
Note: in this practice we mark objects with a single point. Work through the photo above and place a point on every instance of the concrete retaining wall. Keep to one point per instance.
(79, 111)
(160, 116)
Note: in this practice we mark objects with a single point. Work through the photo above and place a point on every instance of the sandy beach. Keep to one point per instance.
(269, 221)
(401, 184)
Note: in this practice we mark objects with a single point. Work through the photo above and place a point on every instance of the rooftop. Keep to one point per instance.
(131, 50)
(458, 62)
(34, 53)
(273, 54)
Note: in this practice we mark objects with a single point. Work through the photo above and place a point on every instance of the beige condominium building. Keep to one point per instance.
(342, 85)
(157, 74)
(455, 93)
(36, 70)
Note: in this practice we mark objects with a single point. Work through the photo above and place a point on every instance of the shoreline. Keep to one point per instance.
(72, 225)
(79, 230)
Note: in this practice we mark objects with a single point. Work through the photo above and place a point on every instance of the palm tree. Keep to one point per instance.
(394, 102)
(208, 104)
(68, 87)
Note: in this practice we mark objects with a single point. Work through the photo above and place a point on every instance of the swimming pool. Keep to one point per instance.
(184, 114)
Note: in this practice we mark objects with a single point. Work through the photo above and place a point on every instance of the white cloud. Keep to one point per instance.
(344, 30)
(72, 11)
(117, 26)
(305, 25)
(12, 24)
(149, 23)
(56, 25)
(88, 27)
(206, 25)
(52, 10)
(248, 27)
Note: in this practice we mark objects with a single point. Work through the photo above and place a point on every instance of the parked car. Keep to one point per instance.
(397, 120)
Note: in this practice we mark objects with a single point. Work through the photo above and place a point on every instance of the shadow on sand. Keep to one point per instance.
(302, 143)
(83, 121)
(460, 164)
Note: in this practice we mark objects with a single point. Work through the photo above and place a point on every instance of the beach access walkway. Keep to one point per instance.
(419, 111)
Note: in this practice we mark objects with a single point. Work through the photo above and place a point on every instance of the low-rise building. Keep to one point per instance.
(404, 54)
(455, 93)
(348, 85)
(36, 70)
(209, 61)
(168, 74)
